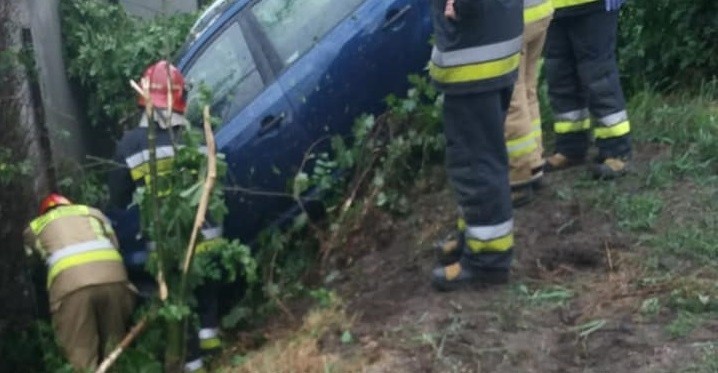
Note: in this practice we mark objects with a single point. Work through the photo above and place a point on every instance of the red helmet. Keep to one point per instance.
(51, 201)
(157, 77)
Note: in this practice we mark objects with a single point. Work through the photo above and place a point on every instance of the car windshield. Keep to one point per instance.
(203, 22)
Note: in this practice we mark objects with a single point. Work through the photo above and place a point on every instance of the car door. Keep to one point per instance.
(259, 135)
(339, 59)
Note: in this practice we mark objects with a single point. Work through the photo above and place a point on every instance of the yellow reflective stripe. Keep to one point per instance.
(570, 126)
(523, 145)
(143, 170)
(619, 129)
(474, 72)
(210, 343)
(207, 245)
(80, 259)
(97, 227)
(39, 223)
(567, 3)
(500, 244)
(538, 12)
(461, 224)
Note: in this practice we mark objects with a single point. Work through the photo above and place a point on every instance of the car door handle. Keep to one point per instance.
(270, 122)
(393, 16)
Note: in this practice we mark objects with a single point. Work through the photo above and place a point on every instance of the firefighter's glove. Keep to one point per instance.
(612, 5)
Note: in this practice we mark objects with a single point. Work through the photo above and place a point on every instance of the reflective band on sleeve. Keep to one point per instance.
(474, 72)
(539, 10)
(490, 232)
(567, 3)
(474, 55)
(570, 127)
(77, 249)
(207, 245)
(613, 119)
(41, 222)
(80, 259)
(574, 115)
(618, 130)
(210, 343)
(210, 233)
(499, 244)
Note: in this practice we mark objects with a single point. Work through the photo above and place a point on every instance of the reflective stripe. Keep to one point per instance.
(144, 156)
(490, 232)
(525, 144)
(567, 3)
(499, 244)
(207, 245)
(473, 55)
(461, 225)
(470, 73)
(210, 344)
(38, 224)
(618, 130)
(97, 227)
(572, 115)
(537, 11)
(80, 259)
(77, 249)
(613, 119)
(210, 233)
(193, 365)
(206, 333)
(570, 127)
(143, 170)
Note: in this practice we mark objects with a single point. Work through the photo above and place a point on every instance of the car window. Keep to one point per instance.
(227, 70)
(293, 26)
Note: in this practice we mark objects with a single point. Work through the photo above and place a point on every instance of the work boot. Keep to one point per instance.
(448, 250)
(558, 162)
(523, 194)
(460, 275)
(610, 168)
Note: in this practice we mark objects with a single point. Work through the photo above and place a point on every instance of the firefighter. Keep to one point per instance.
(91, 299)
(523, 121)
(583, 82)
(132, 151)
(475, 63)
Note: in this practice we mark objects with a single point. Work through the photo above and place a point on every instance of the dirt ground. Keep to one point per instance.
(403, 325)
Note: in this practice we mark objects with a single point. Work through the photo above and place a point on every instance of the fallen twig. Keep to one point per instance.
(115, 354)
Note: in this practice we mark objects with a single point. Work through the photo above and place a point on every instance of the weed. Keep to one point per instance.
(684, 324)
(638, 212)
(550, 297)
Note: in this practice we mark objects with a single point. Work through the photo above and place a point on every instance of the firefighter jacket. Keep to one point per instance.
(133, 152)
(536, 10)
(567, 8)
(480, 50)
(80, 249)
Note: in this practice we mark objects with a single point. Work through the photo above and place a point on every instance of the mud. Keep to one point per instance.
(403, 325)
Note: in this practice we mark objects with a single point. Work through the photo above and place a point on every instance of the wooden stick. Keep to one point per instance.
(206, 190)
(112, 357)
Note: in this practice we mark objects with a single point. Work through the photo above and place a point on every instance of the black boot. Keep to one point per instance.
(448, 250)
(461, 275)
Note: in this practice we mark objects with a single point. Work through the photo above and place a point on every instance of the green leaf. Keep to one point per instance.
(347, 337)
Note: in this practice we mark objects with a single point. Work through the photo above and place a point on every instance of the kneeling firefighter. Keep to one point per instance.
(91, 299)
(475, 63)
(133, 151)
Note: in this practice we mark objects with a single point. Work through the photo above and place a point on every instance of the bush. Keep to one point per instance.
(105, 47)
(668, 43)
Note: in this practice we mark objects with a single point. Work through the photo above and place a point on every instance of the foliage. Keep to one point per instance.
(104, 47)
(682, 57)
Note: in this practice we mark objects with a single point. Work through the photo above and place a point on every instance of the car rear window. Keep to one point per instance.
(294, 26)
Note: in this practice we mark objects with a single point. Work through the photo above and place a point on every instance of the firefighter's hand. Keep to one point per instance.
(449, 10)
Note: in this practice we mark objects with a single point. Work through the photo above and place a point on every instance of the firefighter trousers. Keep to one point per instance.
(477, 166)
(583, 82)
(90, 321)
(523, 121)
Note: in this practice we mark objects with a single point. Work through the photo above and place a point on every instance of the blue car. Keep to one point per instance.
(287, 73)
